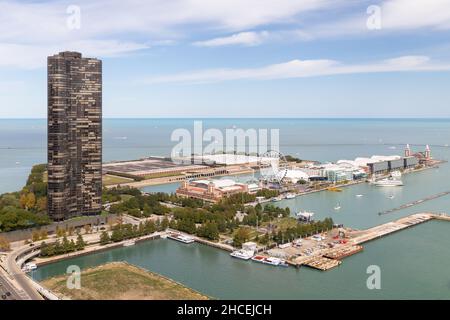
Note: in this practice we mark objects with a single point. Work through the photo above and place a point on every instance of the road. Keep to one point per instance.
(5, 287)
(20, 276)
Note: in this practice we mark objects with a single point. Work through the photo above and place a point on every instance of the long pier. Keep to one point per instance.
(415, 203)
(323, 259)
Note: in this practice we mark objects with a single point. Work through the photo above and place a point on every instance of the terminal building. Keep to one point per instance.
(214, 190)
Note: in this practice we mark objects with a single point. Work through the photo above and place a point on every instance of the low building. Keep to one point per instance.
(212, 190)
(295, 175)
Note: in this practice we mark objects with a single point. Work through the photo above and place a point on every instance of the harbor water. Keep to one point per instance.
(413, 263)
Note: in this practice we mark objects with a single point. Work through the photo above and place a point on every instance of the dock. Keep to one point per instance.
(329, 258)
(391, 227)
(344, 252)
(415, 203)
(322, 263)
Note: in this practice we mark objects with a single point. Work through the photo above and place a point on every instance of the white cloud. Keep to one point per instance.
(31, 30)
(249, 38)
(302, 69)
(31, 56)
(412, 14)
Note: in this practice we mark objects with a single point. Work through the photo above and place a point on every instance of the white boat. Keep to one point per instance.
(129, 243)
(181, 238)
(389, 182)
(290, 195)
(269, 260)
(272, 261)
(359, 195)
(276, 199)
(242, 254)
(29, 267)
(338, 207)
(391, 196)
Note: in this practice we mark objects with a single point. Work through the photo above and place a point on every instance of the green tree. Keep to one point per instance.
(80, 245)
(104, 238)
(242, 235)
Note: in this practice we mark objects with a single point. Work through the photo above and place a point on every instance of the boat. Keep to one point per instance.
(394, 180)
(359, 195)
(391, 196)
(129, 243)
(29, 267)
(290, 195)
(268, 260)
(389, 182)
(338, 207)
(242, 254)
(181, 238)
(276, 199)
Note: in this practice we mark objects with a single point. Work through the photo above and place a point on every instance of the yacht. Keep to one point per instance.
(270, 261)
(290, 195)
(276, 199)
(389, 182)
(181, 238)
(242, 254)
(338, 207)
(359, 195)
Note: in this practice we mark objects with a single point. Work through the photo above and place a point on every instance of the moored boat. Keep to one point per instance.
(181, 238)
(270, 261)
(242, 254)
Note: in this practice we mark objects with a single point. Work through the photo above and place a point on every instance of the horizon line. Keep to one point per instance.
(248, 117)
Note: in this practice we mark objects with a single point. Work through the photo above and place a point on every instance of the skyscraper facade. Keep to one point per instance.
(74, 135)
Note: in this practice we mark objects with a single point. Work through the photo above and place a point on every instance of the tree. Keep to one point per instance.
(65, 245)
(4, 244)
(43, 234)
(242, 235)
(60, 232)
(35, 236)
(164, 223)
(80, 245)
(41, 204)
(30, 200)
(104, 238)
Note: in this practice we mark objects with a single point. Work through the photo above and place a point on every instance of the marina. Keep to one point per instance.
(356, 213)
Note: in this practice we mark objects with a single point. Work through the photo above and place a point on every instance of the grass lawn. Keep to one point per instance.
(122, 281)
(283, 223)
(110, 180)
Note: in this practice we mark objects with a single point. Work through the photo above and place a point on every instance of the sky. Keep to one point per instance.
(234, 58)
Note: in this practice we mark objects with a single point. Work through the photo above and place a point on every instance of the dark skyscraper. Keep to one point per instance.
(74, 135)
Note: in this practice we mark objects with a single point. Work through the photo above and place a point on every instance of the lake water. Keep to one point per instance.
(414, 263)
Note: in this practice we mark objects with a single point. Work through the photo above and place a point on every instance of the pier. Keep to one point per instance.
(329, 258)
(414, 203)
